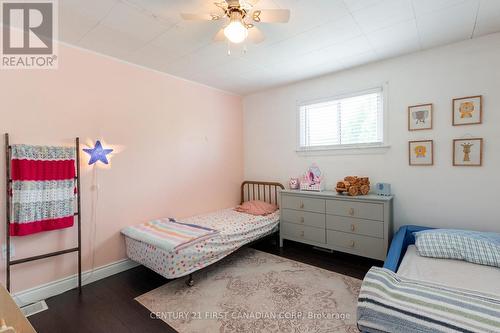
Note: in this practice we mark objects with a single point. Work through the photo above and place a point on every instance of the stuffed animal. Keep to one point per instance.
(294, 183)
(354, 185)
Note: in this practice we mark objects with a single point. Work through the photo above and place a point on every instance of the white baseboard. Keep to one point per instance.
(57, 287)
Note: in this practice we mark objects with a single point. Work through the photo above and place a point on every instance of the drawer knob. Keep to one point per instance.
(353, 227)
(301, 205)
(302, 234)
(302, 219)
(353, 244)
(351, 211)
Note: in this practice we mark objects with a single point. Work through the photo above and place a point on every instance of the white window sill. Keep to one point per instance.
(344, 150)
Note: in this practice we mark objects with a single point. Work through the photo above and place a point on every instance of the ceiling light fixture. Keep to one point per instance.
(236, 31)
(241, 17)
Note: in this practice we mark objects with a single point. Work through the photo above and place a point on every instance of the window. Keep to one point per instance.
(350, 121)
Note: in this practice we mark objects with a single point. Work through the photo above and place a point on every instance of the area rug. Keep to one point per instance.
(253, 291)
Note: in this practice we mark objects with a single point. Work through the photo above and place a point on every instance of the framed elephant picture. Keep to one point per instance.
(468, 110)
(468, 152)
(420, 117)
(421, 152)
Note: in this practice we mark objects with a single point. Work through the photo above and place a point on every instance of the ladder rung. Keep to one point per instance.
(43, 256)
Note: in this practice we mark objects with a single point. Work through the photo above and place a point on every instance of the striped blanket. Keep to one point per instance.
(43, 188)
(169, 234)
(390, 303)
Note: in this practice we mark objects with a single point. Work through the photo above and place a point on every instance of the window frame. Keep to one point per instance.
(346, 147)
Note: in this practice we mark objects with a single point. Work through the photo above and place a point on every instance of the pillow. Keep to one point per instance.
(256, 207)
(473, 246)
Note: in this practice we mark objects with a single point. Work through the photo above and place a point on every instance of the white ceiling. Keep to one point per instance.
(323, 36)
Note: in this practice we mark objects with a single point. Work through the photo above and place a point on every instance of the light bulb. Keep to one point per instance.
(236, 31)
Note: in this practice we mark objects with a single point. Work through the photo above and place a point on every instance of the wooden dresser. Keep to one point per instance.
(359, 225)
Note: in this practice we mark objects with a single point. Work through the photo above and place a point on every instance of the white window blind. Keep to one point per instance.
(355, 120)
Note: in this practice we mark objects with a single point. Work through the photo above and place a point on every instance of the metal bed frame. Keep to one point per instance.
(78, 248)
(255, 190)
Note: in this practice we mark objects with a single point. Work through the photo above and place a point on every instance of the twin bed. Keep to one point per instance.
(235, 230)
(413, 293)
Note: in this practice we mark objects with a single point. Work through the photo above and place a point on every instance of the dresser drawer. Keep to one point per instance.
(299, 232)
(305, 218)
(355, 226)
(303, 204)
(362, 210)
(357, 244)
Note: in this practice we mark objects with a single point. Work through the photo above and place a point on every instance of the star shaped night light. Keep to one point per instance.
(98, 153)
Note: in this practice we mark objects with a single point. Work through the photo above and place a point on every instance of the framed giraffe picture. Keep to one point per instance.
(421, 152)
(468, 110)
(468, 152)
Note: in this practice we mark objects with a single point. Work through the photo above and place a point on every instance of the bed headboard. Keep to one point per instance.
(257, 190)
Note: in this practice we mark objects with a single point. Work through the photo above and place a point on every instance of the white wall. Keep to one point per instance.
(441, 195)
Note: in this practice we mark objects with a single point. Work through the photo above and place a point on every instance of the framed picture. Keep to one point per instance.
(421, 152)
(468, 152)
(467, 110)
(420, 117)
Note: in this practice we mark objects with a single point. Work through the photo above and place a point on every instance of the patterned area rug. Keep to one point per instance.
(253, 291)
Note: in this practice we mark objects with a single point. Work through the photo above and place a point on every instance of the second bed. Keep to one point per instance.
(419, 294)
(235, 230)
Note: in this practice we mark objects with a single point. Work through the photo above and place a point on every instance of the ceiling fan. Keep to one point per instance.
(241, 16)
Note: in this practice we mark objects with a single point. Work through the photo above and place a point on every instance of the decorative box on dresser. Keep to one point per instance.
(360, 225)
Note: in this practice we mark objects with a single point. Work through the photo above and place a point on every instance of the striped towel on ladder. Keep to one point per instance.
(43, 189)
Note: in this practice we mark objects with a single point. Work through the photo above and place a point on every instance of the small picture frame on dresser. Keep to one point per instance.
(421, 153)
(420, 117)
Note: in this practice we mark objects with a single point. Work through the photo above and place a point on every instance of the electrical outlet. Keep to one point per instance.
(12, 251)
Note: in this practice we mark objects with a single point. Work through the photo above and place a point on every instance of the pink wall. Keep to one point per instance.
(179, 151)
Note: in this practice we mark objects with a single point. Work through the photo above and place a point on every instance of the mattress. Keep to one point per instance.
(451, 273)
(235, 230)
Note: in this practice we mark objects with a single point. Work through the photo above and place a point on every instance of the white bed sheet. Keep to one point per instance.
(235, 230)
(452, 273)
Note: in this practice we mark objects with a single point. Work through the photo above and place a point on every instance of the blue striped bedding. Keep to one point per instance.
(390, 303)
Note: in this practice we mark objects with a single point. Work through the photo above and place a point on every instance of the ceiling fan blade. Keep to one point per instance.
(251, 2)
(255, 35)
(222, 5)
(200, 17)
(219, 36)
(271, 15)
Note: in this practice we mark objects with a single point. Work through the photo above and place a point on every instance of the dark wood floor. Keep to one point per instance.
(108, 305)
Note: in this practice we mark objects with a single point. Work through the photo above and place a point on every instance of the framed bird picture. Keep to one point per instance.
(420, 117)
(468, 152)
(468, 110)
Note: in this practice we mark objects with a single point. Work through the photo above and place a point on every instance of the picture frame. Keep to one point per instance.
(468, 152)
(420, 117)
(467, 110)
(421, 153)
